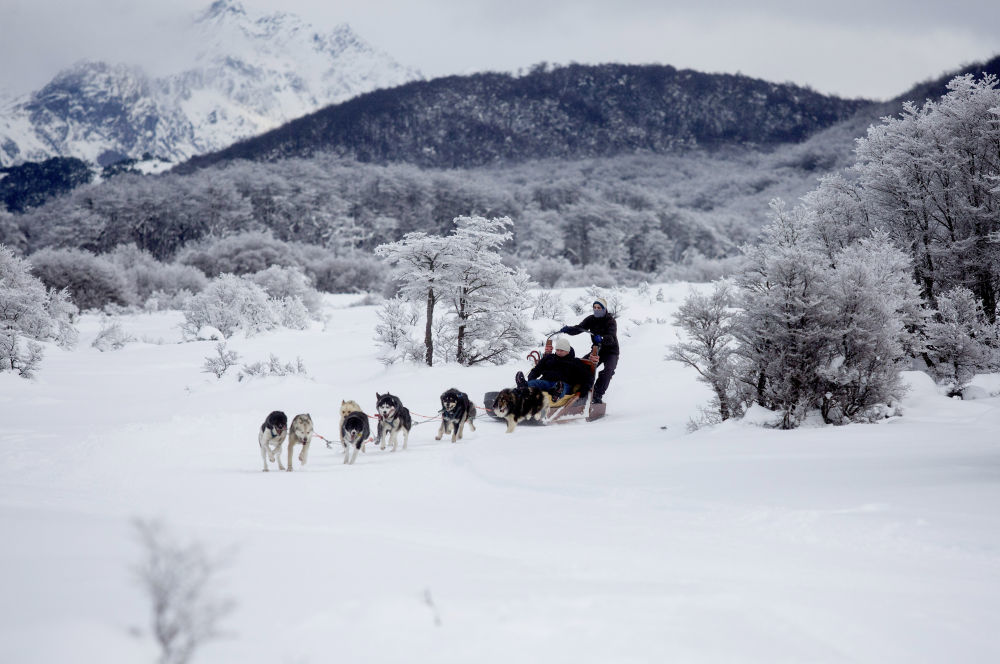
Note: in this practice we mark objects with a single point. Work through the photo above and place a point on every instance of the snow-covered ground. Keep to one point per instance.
(622, 540)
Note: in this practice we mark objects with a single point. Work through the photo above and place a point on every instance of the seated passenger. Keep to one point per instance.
(559, 372)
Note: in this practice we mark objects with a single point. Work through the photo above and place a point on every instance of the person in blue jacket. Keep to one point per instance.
(603, 330)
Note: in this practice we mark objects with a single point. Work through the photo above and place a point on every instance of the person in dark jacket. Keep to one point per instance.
(603, 330)
(560, 371)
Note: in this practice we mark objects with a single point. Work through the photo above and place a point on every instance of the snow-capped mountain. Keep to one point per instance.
(250, 74)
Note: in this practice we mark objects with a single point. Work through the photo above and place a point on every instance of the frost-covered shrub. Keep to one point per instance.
(288, 283)
(292, 313)
(548, 271)
(245, 253)
(597, 275)
(393, 332)
(354, 273)
(93, 282)
(273, 367)
(29, 313)
(957, 339)
(231, 303)
(148, 277)
(164, 301)
(112, 336)
(549, 305)
(221, 362)
(25, 360)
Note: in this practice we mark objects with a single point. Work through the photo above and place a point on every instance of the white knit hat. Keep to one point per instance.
(562, 343)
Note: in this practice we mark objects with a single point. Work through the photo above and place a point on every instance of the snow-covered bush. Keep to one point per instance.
(549, 305)
(93, 282)
(166, 283)
(273, 367)
(245, 253)
(547, 271)
(288, 282)
(231, 303)
(810, 329)
(957, 340)
(112, 336)
(353, 273)
(221, 362)
(29, 313)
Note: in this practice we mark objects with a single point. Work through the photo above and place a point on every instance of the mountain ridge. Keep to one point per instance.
(568, 112)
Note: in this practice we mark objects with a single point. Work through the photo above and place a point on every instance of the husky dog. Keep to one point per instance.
(301, 433)
(354, 432)
(393, 418)
(521, 403)
(272, 437)
(456, 412)
(346, 408)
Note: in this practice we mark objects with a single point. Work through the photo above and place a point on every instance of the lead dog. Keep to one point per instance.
(456, 412)
(272, 437)
(300, 433)
(521, 403)
(393, 418)
(354, 431)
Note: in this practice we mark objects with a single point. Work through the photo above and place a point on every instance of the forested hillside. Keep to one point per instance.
(568, 112)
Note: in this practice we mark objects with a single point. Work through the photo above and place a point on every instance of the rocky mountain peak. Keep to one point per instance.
(251, 73)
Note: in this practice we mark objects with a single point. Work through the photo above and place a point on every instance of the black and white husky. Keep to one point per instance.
(393, 418)
(272, 437)
(456, 412)
(354, 432)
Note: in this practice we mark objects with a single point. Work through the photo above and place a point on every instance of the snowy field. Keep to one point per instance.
(622, 540)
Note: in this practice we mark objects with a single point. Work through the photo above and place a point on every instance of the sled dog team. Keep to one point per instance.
(393, 419)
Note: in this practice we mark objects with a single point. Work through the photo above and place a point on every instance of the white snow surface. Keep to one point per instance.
(621, 540)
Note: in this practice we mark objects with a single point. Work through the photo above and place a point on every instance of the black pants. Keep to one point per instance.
(610, 363)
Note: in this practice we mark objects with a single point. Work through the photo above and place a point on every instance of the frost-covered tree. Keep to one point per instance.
(423, 260)
(929, 178)
(813, 327)
(487, 298)
(875, 304)
(707, 322)
(958, 338)
(784, 327)
(29, 313)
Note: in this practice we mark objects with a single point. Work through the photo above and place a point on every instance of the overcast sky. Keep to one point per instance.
(853, 48)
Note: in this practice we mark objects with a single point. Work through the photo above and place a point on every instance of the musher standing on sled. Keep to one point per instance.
(604, 333)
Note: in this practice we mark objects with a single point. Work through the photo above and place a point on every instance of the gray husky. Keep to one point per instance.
(300, 433)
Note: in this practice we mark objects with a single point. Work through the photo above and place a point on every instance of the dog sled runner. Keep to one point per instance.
(570, 407)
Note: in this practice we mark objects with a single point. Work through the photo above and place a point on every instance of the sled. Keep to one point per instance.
(572, 407)
(568, 408)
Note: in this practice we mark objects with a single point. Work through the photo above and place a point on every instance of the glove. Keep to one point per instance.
(565, 329)
(598, 338)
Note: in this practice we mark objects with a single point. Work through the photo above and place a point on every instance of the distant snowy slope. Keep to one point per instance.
(250, 73)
